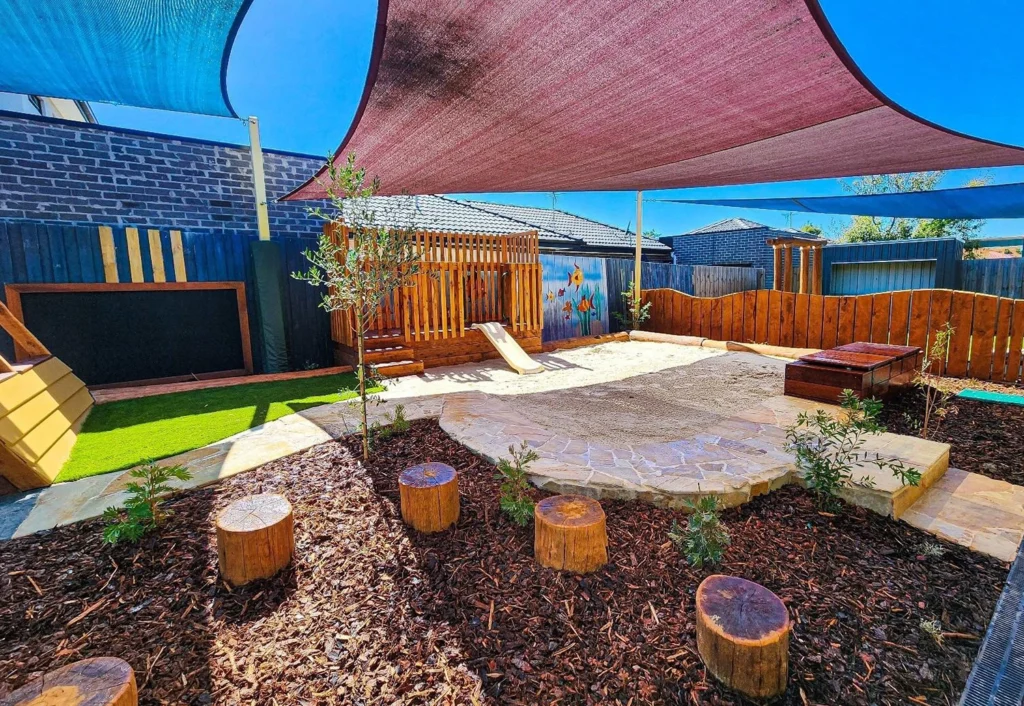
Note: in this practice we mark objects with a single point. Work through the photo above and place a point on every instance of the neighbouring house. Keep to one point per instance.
(63, 108)
(568, 234)
(733, 242)
(559, 232)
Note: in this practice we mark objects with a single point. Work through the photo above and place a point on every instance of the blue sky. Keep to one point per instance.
(300, 66)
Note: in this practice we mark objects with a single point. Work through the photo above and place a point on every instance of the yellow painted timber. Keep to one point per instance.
(178, 255)
(38, 441)
(108, 253)
(26, 417)
(54, 459)
(20, 475)
(19, 389)
(156, 255)
(134, 254)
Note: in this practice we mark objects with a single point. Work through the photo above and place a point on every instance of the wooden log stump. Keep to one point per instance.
(743, 635)
(255, 537)
(569, 534)
(100, 681)
(430, 497)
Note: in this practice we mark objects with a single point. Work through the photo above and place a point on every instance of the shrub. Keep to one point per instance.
(705, 538)
(514, 501)
(636, 312)
(141, 512)
(395, 423)
(828, 448)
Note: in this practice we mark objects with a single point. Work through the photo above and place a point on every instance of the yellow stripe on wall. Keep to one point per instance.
(108, 253)
(178, 255)
(156, 255)
(134, 254)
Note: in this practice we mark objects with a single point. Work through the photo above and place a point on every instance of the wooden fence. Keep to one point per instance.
(986, 343)
(714, 281)
(1003, 278)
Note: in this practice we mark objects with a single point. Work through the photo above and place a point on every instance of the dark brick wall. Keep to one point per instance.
(735, 247)
(54, 170)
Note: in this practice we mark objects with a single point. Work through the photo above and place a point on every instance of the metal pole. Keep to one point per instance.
(259, 183)
(637, 271)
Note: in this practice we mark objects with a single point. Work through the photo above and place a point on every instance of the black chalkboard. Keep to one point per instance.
(116, 336)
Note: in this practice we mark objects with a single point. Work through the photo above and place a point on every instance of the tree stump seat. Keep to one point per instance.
(255, 538)
(99, 681)
(570, 534)
(429, 496)
(743, 635)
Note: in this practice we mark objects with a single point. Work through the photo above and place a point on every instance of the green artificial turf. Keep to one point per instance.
(123, 434)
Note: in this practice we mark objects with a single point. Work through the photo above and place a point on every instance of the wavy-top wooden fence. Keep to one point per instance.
(986, 343)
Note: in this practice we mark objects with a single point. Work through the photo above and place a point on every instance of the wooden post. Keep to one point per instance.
(255, 538)
(99, 681)
(637, 264)
(429, 496)
(819, 270)
(743, 635)
(787, 269)
(805, 269)
(777, 279)
(570, 534)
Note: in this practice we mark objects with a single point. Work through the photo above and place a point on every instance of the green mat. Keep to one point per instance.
(986, 396)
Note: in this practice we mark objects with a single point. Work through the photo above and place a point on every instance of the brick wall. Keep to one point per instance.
(735, 247)
(54, 170)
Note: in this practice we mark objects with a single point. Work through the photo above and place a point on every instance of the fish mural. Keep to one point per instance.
(576, 296)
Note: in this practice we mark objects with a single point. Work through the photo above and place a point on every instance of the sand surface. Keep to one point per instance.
(671, 404)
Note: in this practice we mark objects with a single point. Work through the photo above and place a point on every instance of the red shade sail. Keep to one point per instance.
(562, 95)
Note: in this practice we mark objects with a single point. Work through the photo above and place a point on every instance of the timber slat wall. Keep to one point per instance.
(1003, 278)
(986, 344)
(463, 279)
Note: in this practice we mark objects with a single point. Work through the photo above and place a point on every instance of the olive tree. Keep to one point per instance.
(358, 272)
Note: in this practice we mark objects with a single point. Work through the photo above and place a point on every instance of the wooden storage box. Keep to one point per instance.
(869, 369)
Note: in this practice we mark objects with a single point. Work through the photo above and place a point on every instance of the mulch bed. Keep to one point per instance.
(984, 437)
(370, 613)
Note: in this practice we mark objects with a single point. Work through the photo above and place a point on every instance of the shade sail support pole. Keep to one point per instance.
(637, 268)
(259, 182)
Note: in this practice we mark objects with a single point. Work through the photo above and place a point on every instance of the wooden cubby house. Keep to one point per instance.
(464, 279)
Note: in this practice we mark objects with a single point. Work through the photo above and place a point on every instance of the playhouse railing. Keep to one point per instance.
(463, 278)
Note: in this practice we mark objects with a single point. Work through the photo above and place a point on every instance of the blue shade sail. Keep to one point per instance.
(999, 201)
(168, 54)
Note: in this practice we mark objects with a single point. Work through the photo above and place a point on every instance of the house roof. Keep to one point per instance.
(730, 225)
(554, 228)
(568, 226)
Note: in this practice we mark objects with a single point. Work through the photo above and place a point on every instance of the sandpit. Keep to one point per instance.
(671, 404)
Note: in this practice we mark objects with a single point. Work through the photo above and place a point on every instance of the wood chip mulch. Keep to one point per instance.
(984, 437)
(370, 613)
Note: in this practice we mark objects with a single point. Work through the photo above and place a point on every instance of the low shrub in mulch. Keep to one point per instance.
(370, 613)
(984, 437)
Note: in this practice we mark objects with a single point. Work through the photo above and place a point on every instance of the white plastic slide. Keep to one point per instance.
(510, 350)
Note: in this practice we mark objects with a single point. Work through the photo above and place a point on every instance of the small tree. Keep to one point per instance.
(360, 271)
(636, 311)
(514, 500)
(936, 400)
(141, 511)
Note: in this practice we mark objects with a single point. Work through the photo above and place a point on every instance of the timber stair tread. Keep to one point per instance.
(394, 354)
(399, 367)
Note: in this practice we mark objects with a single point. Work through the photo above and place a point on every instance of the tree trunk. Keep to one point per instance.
(429, 497)
(255, 538)
(100, 681)
(361, 348)
(743, 635)
(570, 534)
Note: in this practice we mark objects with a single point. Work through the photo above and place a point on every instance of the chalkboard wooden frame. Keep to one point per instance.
(14, 292)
